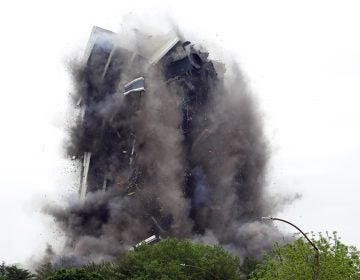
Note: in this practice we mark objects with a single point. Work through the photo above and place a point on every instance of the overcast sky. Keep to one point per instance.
(302, 61)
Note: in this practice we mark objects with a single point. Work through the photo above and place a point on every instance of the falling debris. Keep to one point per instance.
(150, 240)
(84, 174)
(136, 85)
(167, 148)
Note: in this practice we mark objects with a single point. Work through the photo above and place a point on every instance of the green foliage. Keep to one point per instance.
(296, 261)
(106, 270)
(168, 259)
(14, 273)
(248, 266)
(74, 274)
(178, 259)
(44, 271)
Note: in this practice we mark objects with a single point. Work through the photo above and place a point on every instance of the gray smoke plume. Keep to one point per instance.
(204, 182)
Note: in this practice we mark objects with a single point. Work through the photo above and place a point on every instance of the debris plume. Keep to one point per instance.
(171, 143)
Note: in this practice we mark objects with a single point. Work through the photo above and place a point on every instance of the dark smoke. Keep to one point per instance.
(202, 178)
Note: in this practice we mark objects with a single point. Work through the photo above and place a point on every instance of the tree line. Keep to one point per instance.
(184, 260)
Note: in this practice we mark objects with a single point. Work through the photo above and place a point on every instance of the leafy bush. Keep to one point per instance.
(74, 274)
(178, 259)
(296, 261)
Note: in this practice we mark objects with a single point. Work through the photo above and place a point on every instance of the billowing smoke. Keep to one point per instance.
(186, 157)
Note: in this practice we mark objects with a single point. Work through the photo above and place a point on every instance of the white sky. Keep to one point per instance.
(302, 60)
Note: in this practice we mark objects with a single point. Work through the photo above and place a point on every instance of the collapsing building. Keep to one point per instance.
(177, 62)
(166, 148)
